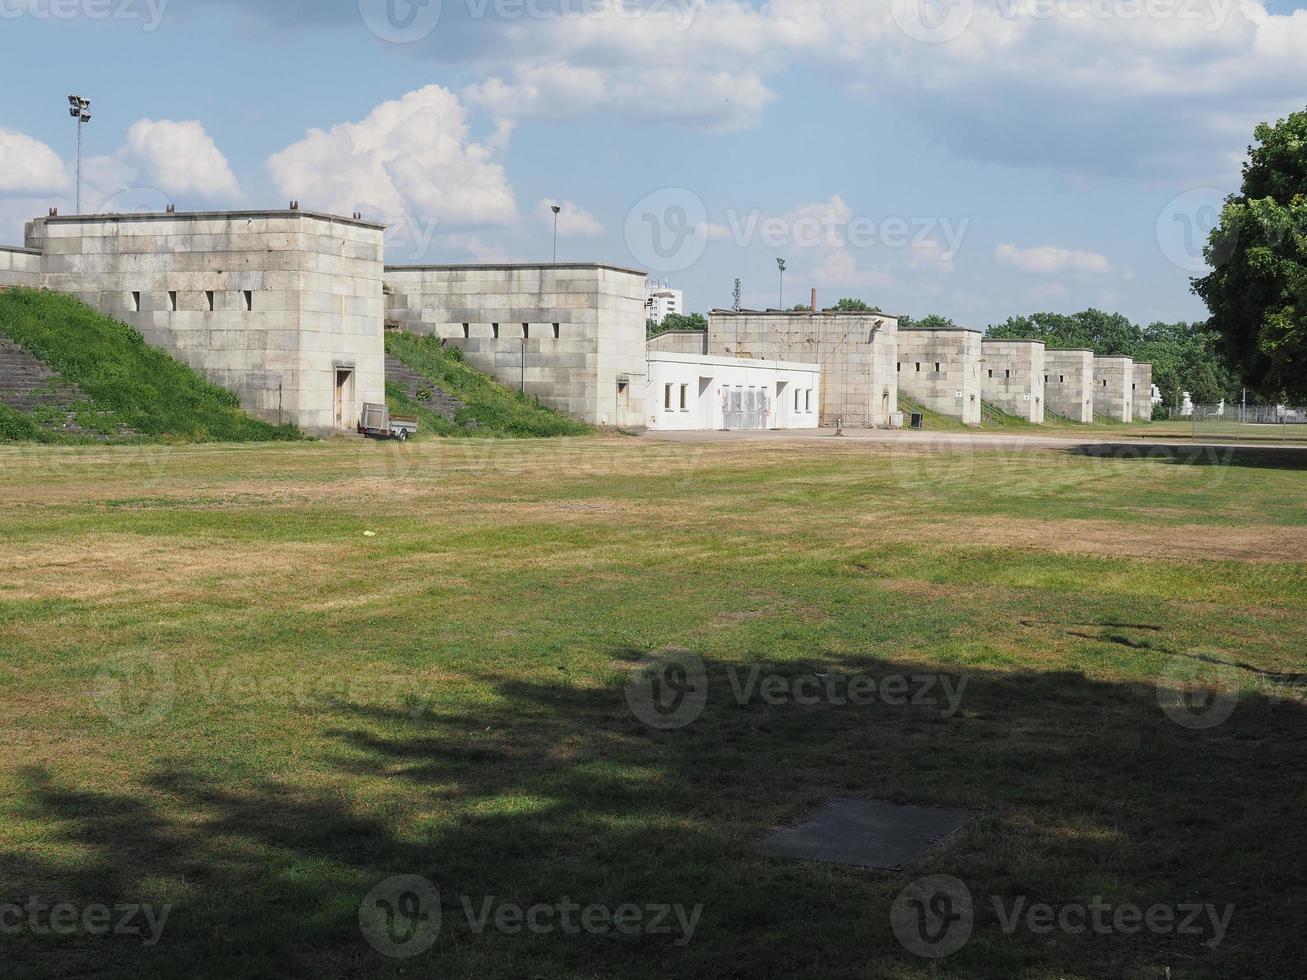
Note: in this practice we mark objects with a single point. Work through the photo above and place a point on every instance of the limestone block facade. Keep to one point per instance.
(941, 370)
(1069, 383)
(571, 334)
(1012, 377)
(20, 267)
(284, 308)
(680, 342)
(1142, 391)
(1113, 388)
(855, 353)
(697, 391)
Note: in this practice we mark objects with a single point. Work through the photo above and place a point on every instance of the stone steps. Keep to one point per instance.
(28, 384)
(441, 402)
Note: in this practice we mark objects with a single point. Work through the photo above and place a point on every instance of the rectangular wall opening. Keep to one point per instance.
(208, 296)
(467, 331)
(526, 331)
(494, 330)
(248, 295)
(172, 300)
(555, 331)
(344, 398)
(136, 302)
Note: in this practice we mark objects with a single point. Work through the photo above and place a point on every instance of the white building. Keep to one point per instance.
(662, 300)
(696, 391)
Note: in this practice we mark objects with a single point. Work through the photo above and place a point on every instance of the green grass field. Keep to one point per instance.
(246, 685)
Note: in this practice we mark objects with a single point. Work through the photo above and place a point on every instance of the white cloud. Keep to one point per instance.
(1046, 292)
(716, 100)
(179, 158)
(28, 166)
(838, 267)
(573, 221)
(1051, 259)
(410, 156)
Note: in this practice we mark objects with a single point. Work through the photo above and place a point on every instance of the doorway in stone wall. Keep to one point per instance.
(344, 398)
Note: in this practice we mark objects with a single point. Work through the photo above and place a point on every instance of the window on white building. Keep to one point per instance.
(685, 398)
(667, 398)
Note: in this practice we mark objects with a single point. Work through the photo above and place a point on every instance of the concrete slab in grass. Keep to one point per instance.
(866, 834)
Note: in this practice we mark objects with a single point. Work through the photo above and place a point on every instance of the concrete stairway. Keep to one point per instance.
(441, 402)
(26, 384)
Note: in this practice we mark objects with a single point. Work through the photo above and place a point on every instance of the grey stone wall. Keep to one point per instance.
(1143, 391)
(1113, 383)
(855, 352)
(941, 370)
(680, 342)
(1012, 377)
(20, 267)
(1069, 383)
(269, 304)
(572, 335)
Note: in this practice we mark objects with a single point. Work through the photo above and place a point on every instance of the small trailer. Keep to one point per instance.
(378, 423)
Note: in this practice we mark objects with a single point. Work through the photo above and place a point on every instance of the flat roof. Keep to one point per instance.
(1069, 350)
(955, 329)
(508, 266)
(726, 360)
(808, 313)
(20, 249)
(1013, 340)
(218, 215)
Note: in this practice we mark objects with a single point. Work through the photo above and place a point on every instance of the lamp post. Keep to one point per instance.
(556, 209)
(80, 109)
(780, 264)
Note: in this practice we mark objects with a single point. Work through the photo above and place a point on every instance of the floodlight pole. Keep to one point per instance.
(780, 264)
(79, 108)
(556, 209)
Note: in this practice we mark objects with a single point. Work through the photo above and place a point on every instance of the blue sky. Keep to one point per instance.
(978, 158)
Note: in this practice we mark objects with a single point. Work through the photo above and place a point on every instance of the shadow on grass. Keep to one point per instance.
(1253, 456)
(552, 789)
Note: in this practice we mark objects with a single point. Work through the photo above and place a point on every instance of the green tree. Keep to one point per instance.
(1257, 289)
(855, 306)
(931, 321)
(675, 322)
(1103, 333)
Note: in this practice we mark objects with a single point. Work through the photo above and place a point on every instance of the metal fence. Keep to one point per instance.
(1250, 423)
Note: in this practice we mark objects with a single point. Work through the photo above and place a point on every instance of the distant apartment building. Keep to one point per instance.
(661, 301)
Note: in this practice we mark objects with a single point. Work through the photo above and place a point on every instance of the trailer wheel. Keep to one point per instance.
(402, 435)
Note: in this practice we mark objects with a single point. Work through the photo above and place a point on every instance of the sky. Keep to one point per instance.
(975, 158)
